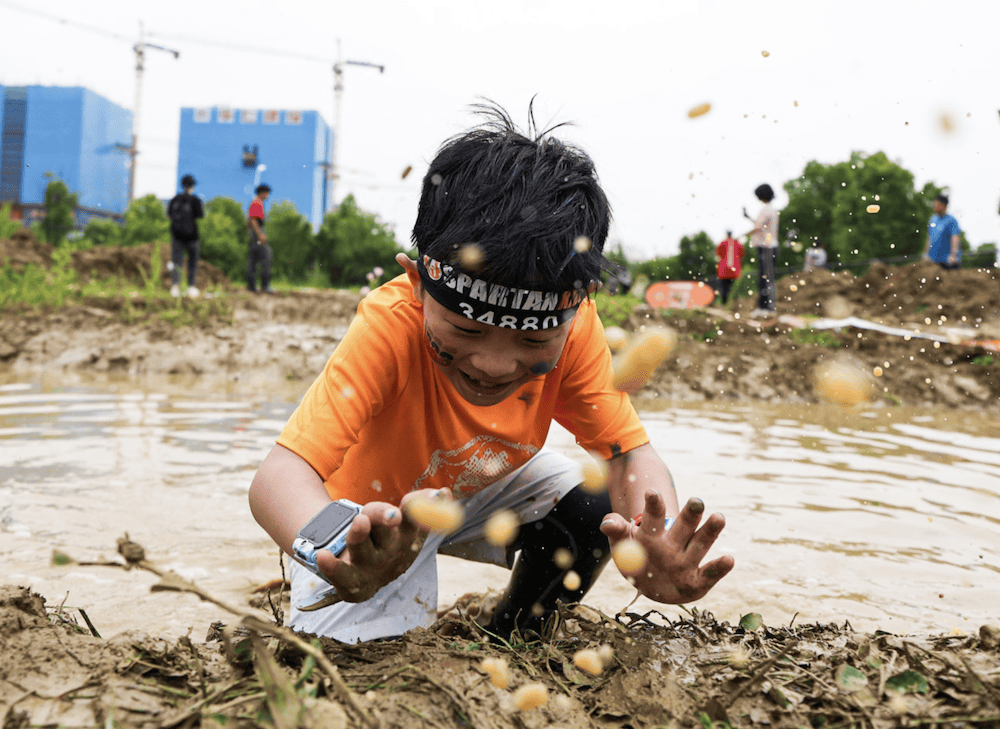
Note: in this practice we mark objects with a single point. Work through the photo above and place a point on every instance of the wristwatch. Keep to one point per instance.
(327, 530)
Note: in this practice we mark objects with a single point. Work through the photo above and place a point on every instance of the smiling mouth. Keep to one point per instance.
(485, 388)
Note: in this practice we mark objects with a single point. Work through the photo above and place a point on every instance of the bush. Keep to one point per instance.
(146, 221)
(103, 232)
(7, 226)
(350, 243)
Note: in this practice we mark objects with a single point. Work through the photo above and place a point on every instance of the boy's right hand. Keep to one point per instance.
(381, 545)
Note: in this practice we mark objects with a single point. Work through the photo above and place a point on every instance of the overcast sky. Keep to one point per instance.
(787, 84)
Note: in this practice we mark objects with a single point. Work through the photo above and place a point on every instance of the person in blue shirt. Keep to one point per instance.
(943, 236)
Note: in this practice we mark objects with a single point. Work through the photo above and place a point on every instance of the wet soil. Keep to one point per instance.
(55, 670)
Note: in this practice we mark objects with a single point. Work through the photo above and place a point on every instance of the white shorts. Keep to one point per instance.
(410, 601)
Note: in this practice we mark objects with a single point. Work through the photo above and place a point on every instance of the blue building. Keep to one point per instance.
(69, 133)
(230, 151)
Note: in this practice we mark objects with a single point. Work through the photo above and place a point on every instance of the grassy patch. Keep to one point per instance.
(615, 310)
(984, 360)
(815, 337)
(37, 287)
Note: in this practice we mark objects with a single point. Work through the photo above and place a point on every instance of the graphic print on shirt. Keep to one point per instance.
(475, 465)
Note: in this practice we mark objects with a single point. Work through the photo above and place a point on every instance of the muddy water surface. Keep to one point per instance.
(885, 518)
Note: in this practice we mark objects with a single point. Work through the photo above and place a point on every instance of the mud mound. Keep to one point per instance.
(656, 672)
(23, 251)
(891, 293)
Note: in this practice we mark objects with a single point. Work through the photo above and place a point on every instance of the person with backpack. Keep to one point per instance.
(184, 209)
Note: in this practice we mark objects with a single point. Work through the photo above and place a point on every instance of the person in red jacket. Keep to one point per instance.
(730, 253)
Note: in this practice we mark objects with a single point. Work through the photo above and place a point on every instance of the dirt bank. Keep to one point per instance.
(644, 671)
(722, 355)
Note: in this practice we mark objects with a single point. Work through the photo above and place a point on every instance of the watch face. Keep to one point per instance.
(333, 519)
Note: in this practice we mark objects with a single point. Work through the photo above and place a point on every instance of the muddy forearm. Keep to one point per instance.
(632, 474)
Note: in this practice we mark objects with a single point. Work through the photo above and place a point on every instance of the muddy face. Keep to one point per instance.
(488, 364)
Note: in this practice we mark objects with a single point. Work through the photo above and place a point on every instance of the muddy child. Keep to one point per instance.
(447, 383)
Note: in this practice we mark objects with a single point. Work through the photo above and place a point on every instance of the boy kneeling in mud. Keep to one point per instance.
(448, 379)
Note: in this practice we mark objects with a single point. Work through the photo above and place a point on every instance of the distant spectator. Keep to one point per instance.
(764, 238)
(260, 252)
(944, 242)
(730, 255)
(184, 210)
(815, 256)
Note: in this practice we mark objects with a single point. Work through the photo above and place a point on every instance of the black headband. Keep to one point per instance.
(495, 304)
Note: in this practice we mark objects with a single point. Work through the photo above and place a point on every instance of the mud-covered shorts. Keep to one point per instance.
(411, 600)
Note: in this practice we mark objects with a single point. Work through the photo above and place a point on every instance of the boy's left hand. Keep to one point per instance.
(673, 572)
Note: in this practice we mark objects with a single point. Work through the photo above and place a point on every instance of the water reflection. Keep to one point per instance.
(884, 518)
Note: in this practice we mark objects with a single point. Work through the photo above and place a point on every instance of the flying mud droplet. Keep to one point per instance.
(765, 53)
(877, 371)
(607, 653)
(837, 307)
(873, 208)
(572, 581)
(946, 123)
(498, 671)
(406, 172)
(531, 696)
(501, 528)
(436, 514)
(629, 556)
(843, 383)
(616, 337)
(793, 288)
(563, 558)
(436, 179)
(595, 476)
(582, 244)
(470, 256)
(700, 110)
(644, 353)
(588, 660)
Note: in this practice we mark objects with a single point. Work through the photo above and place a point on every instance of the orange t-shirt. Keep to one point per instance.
(382, 419)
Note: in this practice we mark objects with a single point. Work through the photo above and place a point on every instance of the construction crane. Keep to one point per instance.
(140, 57)
(338, 90)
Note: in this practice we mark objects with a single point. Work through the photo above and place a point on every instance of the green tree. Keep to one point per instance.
(696, 260)
(146, 221)
(291, 238)
(223, 237)
(351, 242)
(658, 269)
(103, 232)
(231, 209)
(837, 204)
(60, 205)
(222, 244)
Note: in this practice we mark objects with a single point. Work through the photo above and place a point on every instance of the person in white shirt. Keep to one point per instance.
(764, 238)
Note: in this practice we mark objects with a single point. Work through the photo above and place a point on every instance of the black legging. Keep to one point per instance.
(574, 525)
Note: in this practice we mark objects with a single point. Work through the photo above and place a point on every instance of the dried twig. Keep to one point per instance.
(757, 675)
(135, 556)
